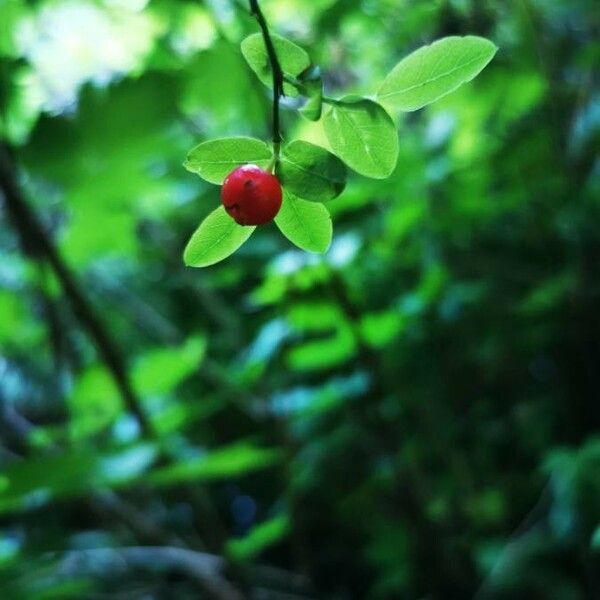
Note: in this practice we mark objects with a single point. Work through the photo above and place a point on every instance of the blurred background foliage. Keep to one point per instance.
(414, 415)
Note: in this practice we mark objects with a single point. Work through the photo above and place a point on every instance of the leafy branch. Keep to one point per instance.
(276, 70)
(361, 132)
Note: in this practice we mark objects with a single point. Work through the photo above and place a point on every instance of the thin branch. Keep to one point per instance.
(36, 241)
(206, 570)
(276, 71)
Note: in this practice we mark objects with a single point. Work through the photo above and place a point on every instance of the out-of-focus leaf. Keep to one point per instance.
(11, 12)
(37, 481)
(16, 325)
(293, 59)
(434, 71)
(215, 159)
(159, 371)
(325, 351)
(306, 224)
(311, 172)
(258, 539)
(95, 402)
(184, 415)
(547, 294)
(236, 460)
(363, 135)
(217, 237)
(595, 541)
(379, 329)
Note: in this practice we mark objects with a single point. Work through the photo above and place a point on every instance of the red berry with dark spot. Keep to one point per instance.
(251, 196)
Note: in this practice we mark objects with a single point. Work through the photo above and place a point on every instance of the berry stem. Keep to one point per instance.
(276, 70)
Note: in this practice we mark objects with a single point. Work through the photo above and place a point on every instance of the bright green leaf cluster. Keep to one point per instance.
(360, 131)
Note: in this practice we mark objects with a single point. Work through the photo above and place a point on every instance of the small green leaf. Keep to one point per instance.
(293, 59)
(312, 88)
(259, 538)
(94, 403)
(434, 71)
(162, 369)
(226, 462)
(306, 224)
(215, 159)
(363, 135)
(313, 107)
(311, 172)
(217, 237)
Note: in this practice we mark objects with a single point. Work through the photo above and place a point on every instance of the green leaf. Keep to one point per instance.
(293, 59)
(306, 224)
(217, 237)
(313, 107)
(363, 135)
(160, 370)
(434, 71)
(215, 159)
(312, 88)
(11, 13)
(230, 461)
(94, 403)
(39, 480)
(260, 537)
(311, 172)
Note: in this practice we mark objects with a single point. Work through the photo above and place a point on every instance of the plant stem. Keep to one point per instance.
(37, 242)
(275, 70)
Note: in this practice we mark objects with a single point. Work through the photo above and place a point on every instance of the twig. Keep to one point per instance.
(276, 71)
(36, 241)
(204, 569)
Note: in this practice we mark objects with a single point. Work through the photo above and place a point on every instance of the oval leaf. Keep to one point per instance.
(306, 224)
(217, 237)
(215, 159)
(311, 172)
(293, 59)
(363, 135)
(312, 88)
(434, 71)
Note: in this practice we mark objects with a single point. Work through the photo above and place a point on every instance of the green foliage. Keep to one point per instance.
(258, 539)
(216, 238)
(306, 224)
(223, 463)
(363, 135)
(311, 84)
(94, 403)
(434, 71)
(161, 370)
(215, 159)
(359, 130)
(293, 59)
(311, 172)
(412, 414)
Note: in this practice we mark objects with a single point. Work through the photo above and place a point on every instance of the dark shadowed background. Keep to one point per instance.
(415, 415)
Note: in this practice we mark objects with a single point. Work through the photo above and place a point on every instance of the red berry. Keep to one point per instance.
(251, 196)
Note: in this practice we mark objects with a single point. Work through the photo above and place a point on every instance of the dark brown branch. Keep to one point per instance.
(36, 241)
(276, 71)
